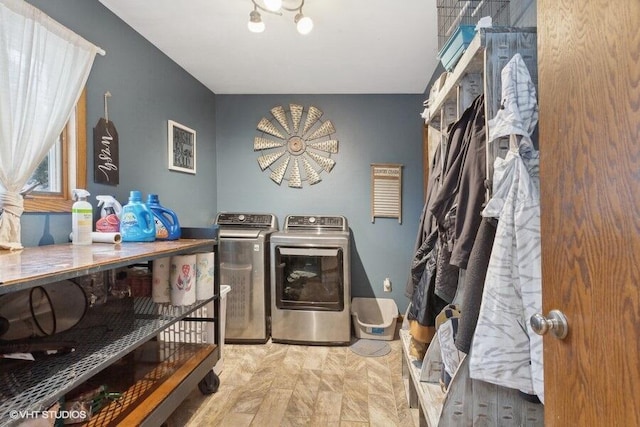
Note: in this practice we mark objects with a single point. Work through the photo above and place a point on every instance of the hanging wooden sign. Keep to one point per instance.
(386, 191)
(105, 153)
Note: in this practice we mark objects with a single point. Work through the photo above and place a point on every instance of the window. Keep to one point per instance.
(65, 168)
(48, 177)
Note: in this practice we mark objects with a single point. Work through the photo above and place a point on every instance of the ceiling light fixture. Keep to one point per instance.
(304, 24)
(255, 23)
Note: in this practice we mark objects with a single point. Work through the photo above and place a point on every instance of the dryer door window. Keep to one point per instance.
(309, 278)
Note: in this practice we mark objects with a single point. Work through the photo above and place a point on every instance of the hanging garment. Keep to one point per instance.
(501, 351)
(471, 191)
(505, 350)
(425, 305)
(419, 287)
(457, 145)
(447, 274)
(425, 226)
(448, 210)
(518, 113)
(434, 280)
(473, 286)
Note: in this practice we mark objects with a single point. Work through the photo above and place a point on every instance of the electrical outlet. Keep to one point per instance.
(387, 285)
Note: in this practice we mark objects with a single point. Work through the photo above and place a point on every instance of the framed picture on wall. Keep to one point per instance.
(182, 148)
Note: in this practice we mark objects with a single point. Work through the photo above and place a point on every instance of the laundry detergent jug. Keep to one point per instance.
(136, 221)
(167, 225)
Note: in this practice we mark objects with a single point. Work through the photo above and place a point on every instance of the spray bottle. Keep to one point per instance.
(109, 221)
(81, 218)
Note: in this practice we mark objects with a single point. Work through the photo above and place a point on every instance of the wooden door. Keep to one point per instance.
(589, 96)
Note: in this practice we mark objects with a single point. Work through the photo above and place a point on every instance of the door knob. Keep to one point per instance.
(556, 322)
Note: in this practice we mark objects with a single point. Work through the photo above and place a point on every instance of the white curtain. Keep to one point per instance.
(43, 68)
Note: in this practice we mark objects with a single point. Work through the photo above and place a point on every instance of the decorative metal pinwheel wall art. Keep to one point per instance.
(298, 153)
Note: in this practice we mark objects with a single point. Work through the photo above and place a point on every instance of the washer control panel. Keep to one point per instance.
(316, 222)
(248, 220)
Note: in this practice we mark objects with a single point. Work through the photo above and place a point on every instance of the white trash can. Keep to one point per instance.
(224, 290)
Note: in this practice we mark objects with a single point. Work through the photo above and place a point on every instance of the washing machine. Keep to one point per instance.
(243, 248)
(311, 281)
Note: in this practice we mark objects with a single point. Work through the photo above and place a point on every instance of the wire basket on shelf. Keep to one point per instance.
(455, 13)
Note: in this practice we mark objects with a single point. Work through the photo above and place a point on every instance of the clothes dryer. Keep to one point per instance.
(311, 281)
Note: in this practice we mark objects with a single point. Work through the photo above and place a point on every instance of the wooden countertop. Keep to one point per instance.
(35, 266)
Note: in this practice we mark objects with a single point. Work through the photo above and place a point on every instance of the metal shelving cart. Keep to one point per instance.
(120, 328)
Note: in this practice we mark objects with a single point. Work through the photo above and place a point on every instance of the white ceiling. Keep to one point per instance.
(356, 46)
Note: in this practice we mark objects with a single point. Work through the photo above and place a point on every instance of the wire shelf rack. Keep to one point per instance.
(453, 13)
(107, 333)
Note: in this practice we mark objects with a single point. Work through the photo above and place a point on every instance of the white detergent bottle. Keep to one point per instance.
(81, 218)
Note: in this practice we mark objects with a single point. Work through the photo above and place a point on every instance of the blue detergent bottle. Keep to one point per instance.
(167, 224)
(136, 220)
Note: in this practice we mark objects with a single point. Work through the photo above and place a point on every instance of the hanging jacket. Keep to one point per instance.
(426, 224)
(471, 193)
(457, 146)
(449, 210)
(425, 305)
(473, 285)
(433, 278)
(501, 349)
(505, 350)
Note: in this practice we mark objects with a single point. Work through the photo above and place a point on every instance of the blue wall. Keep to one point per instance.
(370, 129)
(147, 89)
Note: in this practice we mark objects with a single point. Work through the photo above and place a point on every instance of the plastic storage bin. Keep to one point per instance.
(455, 46)
(374, 318)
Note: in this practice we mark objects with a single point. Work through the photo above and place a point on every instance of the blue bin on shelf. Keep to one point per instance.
(455, 46)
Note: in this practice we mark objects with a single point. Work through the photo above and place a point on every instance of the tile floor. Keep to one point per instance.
(292, 385)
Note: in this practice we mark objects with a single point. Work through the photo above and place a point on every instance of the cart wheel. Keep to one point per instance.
(209, 384)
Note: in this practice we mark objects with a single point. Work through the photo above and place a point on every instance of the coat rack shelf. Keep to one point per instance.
(469, 402)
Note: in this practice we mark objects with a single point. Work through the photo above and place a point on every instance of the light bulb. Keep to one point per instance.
(273, 5)
(304, 24)
(256, 27)
(255, 23)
